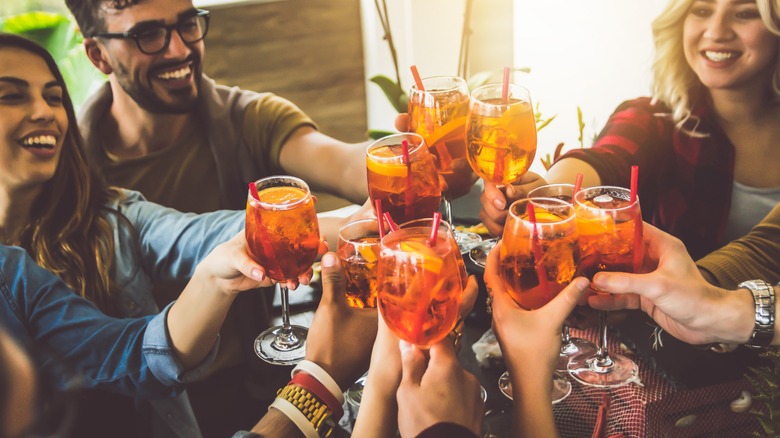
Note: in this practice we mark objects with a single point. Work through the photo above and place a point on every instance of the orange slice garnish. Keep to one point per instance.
(430, 260)
(387, 169)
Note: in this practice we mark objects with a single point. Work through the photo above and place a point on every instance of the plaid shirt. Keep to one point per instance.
(685, 182)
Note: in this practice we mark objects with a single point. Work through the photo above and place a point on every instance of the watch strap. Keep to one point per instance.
(316, 412)
(764, 299)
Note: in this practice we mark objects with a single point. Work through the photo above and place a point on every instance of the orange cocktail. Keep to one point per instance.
(439, 115)
(407, 185)
(538, 261)
(419, 286)
(444, 227)
(501, 133)
(358, 249)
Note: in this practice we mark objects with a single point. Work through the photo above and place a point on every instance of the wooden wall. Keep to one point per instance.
(307, 51)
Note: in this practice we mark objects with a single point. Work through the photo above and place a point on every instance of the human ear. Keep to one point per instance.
(96, 56)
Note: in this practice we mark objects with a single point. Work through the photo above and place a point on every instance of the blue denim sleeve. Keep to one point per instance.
(162, 359)
(38, 307)
(173, 243)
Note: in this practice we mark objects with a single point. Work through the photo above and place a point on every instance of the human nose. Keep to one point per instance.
(177, 47)
(718, 27)
(41, 110)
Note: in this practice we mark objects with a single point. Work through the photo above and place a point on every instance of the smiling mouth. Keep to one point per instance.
(175, 74)
(719, 56)
(46, 141)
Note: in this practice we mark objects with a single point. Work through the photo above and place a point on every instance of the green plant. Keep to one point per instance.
(59, 35)
(766, 386)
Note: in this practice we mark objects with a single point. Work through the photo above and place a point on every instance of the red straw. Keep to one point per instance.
(577, 185)
(253, 191)
(434, 229)
(417, 79)
(390, 222)
(379, 221)
(634, 182)
(541, 273)
(505, 89)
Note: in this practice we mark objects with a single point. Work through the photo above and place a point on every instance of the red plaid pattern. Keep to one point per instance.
(685, 182)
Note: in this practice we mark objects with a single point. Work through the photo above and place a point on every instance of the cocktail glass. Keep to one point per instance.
(282, 235)
(610, 229)
(538, 259)
(419, 284)
(407, 185)
(501, 133)
(569, 346)
(439, 115)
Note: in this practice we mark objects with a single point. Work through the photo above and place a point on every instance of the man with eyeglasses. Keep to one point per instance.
(159, 126)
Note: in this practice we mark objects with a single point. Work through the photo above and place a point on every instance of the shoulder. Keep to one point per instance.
(642, 105)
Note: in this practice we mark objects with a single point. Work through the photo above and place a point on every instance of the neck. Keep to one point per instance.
(15, 206)
(140, 132)
(746, 105)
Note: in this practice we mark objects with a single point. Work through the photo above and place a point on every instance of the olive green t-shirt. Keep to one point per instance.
(183, 175)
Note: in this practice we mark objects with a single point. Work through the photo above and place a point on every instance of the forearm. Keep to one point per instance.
(195, 319)
(566, 170)
(275, 424)
(329, 229)
(378, 415)
(532, 400)
(736, 320)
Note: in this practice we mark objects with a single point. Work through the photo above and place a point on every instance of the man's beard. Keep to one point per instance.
(148, 100)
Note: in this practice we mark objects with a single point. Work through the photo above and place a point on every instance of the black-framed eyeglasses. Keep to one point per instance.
(155, 39)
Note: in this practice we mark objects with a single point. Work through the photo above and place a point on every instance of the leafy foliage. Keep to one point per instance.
(59, 35)
(766, 384)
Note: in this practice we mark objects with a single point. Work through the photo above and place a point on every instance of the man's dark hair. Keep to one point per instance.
(89, 13)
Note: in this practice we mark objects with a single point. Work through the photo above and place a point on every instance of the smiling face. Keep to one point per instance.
(33, 121)
(166, 82)
(727, 45)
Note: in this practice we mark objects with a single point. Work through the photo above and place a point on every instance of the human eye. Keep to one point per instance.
(54, 98)
(700, 9)
(748, 14)
(150, 34)
(189, 26)
(11, 97)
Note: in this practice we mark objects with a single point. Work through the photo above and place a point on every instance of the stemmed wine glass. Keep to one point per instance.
(419, 286)
(438, 113)
(282, 235)
(538, 258)
(358, 249)
(402, 177)
(501, 140)
(609, 221)
(569, 346)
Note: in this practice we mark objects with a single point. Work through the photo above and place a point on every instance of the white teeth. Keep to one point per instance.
(718, 56)
(178, 74)
(47, 140)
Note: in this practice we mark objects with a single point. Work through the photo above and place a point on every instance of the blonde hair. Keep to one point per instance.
(69, 233)
(675, 84)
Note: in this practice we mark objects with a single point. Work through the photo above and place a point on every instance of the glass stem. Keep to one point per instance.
(285, 309)
(602, 354)
(565, 335)
(447, 208)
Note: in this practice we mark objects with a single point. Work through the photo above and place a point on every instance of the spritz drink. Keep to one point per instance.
(283, 236)
(419, 286)
(406, 185)
(358, 249)
(555, 257)
(443, 228)
(501, 133)
(610, 226)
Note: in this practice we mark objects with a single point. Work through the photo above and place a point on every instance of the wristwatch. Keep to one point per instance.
(315, 411)
(764, 299)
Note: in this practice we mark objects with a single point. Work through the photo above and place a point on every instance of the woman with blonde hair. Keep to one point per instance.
(706, 141)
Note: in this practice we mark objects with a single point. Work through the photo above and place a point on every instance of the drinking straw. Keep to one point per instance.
(638, 222)
(541, 272)
(577, 185)
(379, 221)
(498, 167)
(390, 222)
(434, 229)
(505, 89)
(634, 182)
(417, 79)
(253, 191)
(408, 194)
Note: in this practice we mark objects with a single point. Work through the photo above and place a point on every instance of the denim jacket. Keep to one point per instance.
(163, 244)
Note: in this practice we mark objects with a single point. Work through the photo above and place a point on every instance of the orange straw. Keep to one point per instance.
(434, 229)
(541, 273)
(505, 89)
(390, 222)
(634, 182)
(253, 191)
(379, 221)
(577, 185)
(408, 194)
(638, 223)
(417, 79)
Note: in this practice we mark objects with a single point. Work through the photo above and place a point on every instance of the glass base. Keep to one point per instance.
(466, 240)
(354, 394)
(561, 387)
(279, 348)
(616, 370)
(478, 253)
(575, 347)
